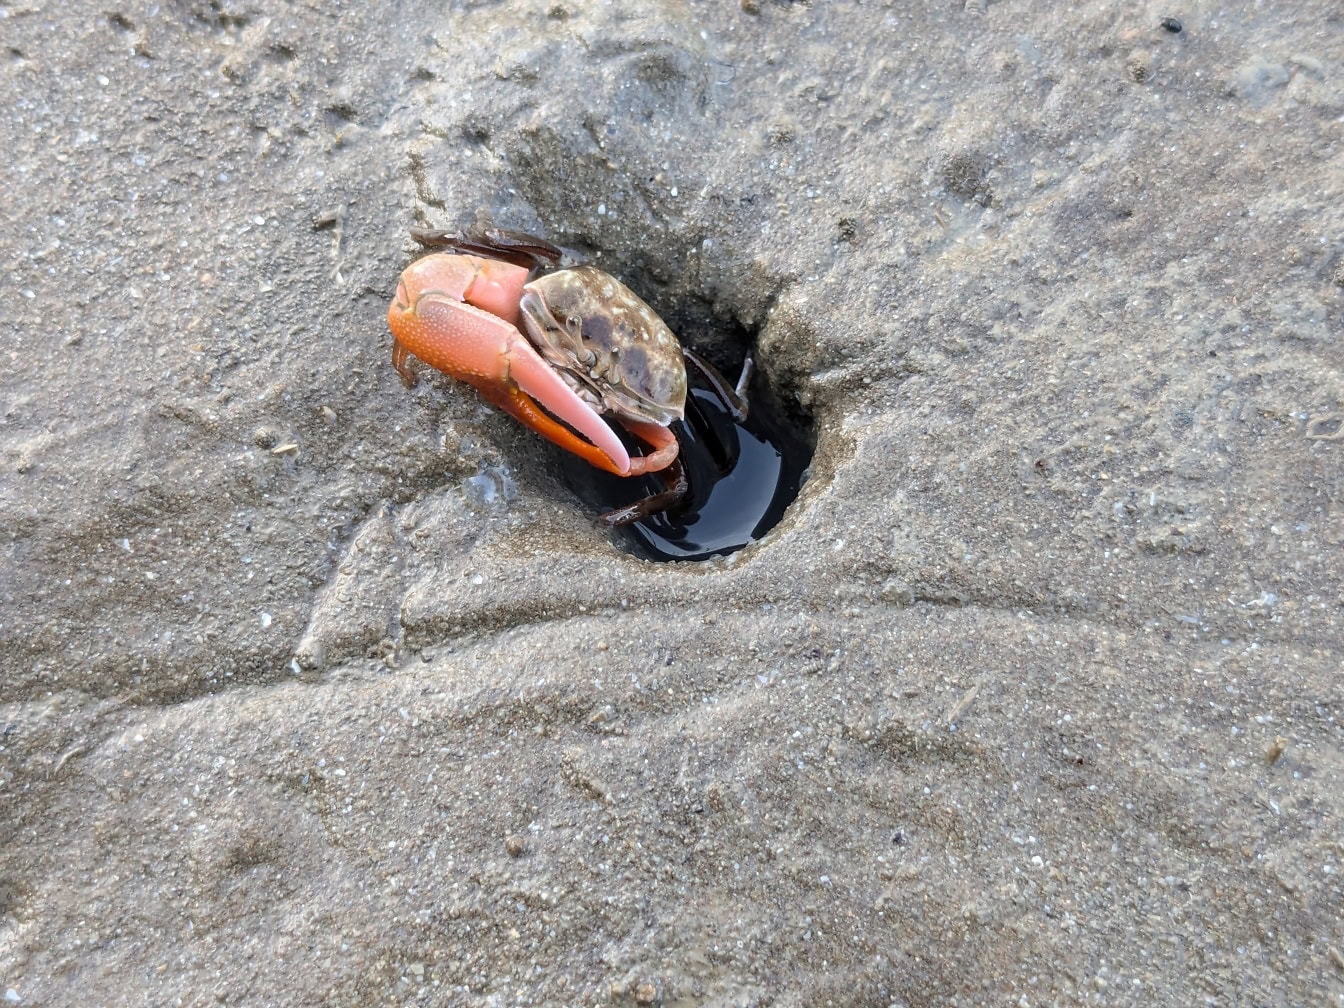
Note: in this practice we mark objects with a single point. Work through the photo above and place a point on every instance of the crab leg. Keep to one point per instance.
(675, 489)
(734, 400)
(436, 317)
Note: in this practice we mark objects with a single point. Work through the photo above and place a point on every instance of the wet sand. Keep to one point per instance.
(319, 691)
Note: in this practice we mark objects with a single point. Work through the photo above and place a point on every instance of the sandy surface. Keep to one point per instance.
(1034, 698)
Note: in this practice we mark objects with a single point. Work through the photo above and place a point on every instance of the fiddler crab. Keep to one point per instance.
(560, 349)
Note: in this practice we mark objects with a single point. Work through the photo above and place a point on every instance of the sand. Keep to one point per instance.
(319, 691)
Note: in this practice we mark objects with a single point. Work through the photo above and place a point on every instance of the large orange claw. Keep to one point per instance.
(458, 313)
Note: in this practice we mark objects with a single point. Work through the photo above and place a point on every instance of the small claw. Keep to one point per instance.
(664, 444)
(447, 312)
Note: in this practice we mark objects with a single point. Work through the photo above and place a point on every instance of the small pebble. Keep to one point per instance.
(515, 845)
(328, 218)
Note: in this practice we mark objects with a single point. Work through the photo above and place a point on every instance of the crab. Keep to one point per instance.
(560, 349)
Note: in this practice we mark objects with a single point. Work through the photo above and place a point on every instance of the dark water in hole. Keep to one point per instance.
(742, 476)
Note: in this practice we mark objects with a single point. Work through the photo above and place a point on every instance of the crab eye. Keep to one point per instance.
(573, 322)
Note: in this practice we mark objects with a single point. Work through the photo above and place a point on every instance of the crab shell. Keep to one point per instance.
(607, 344)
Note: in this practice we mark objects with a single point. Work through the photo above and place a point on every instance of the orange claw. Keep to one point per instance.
(457, 313)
